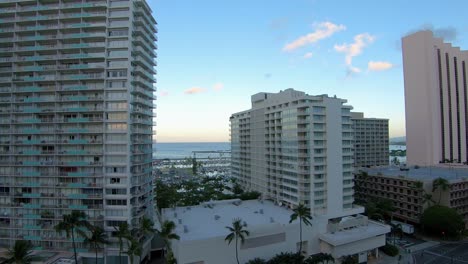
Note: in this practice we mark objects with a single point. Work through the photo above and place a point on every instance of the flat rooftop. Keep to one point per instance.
(422, 173)
(342, 237)
(211, 218)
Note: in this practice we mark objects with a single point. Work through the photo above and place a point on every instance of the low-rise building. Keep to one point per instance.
(406, 188)
(202, 231)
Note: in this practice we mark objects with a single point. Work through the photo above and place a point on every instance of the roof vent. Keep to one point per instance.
(261, 211)
(217, 217)
(180, 221)
(185, 229)
(272, 220)
(175, 215)
(244, 223)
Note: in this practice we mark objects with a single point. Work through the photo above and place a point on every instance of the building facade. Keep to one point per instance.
(436, 95)
(370, 141)
(410, 189)
(76, 117)
(293, 148)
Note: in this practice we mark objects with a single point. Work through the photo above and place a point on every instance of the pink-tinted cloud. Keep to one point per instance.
(322, 30)
(194, 90)
(218, 86)
(308, 55)
(379, 65)
(352, 50)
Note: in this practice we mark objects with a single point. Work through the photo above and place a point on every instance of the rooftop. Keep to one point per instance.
(211, 218)
(354, 234)
(423, 173)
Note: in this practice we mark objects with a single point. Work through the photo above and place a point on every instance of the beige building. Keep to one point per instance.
(406, 189)
(370, 141)
(293, 147)
(436, 97)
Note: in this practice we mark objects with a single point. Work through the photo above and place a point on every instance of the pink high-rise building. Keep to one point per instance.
(436, 100)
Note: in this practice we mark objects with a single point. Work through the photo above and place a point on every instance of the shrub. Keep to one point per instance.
(390, 250)
(256, 261)
(286, 257)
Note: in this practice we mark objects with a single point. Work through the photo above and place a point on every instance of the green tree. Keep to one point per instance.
(133, 249)
(237, 232)
(21, 253)
(256, 261)
(286, 257)
(302, 213)
(319, 258)
(70, 223)
(122, 232)
(97, 239)
(441, 185)
(147, 226)
(427, 199)
(442, 221)
(167, 232)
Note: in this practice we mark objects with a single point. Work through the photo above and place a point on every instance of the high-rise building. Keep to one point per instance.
(436, 97)
(370, 141)
(293, 148)
(76, 117)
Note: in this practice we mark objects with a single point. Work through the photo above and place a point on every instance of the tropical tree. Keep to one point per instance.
(350, 259)
(319, 258)
(167, 232)
(237, 232)
(442, 221)
(122, 232)
(70, 223)
(441, 185)
(146, 226)
(427, 199)
(302, 213)
(133, 249)
(21, 253)
(97, 238)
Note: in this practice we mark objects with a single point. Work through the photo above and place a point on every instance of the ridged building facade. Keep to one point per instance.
(296, 148)
(76, 117)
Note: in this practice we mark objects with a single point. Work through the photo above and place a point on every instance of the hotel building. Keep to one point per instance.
(436, 97)
(370, 141)
(293, 148)
(76, 117)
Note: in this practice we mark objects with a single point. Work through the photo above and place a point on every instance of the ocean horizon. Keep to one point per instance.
(181, 150)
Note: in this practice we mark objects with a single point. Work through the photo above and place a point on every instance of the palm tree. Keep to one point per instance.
(440, 184)
(98, 237)
(122, 232)
(303, 213)
(237, 232)
(133, 249)
(71, 222)
(21, 253)
(167, 233)
(427, 198)
(146, 226)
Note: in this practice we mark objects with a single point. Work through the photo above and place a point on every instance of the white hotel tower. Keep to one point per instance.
(76, 117)
(436, 100)
(293, 147)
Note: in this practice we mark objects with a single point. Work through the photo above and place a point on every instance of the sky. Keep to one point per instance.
(214, 54)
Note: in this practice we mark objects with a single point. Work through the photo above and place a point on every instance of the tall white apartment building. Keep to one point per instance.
(370, 141)
(436, 94)
(76, 117)
(293, 148)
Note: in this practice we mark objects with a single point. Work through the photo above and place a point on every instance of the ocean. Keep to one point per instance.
(184, 150)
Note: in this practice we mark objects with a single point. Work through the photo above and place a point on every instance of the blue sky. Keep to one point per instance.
(214, 54)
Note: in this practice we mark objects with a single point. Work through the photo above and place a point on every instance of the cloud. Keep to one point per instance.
(163, 93)
(194, 90)
(354, 49)
(322, 30)
(379, 65)
(308, 55)
(446, 33)
(218, 86)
